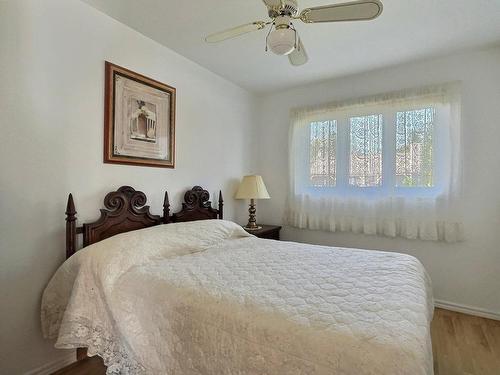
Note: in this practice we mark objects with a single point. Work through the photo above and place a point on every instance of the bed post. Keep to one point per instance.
(70, 227)
(221, 205)
(166, 209)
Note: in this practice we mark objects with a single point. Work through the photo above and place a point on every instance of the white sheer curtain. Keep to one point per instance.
(427, 208)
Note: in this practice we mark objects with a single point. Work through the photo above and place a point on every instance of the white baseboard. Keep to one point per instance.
(483, 313)
(49, 368)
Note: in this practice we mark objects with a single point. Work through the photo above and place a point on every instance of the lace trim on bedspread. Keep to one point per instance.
(79, 332)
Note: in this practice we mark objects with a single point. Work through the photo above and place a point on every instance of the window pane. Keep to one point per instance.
(366, 151)
(414, 153)
(323, 149)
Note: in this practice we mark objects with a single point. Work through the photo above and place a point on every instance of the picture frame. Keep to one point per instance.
(139, 119)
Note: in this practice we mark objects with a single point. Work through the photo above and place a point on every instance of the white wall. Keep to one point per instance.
(51, 116)
(466, 273)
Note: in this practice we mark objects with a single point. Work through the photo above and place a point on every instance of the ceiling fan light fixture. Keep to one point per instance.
(282, 41)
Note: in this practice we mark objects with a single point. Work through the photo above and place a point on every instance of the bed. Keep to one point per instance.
(200, 295)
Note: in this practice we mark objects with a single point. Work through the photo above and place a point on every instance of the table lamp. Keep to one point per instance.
(252, 187)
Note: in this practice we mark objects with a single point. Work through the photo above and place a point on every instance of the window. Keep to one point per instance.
(323, 151)
(409, 142)
(365, 157)
(414, 149)
(386, 164)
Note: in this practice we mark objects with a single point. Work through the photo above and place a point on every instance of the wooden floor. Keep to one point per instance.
(87, 366)
(465, 344)
(462, 345)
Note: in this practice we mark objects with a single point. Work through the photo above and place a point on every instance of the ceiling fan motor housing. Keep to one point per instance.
(286, 8)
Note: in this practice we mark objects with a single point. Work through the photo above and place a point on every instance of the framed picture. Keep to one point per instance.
(139, 119)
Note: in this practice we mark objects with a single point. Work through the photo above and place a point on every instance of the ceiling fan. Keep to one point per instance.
(283, 38)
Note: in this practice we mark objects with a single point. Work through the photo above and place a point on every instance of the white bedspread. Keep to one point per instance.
(205, 298)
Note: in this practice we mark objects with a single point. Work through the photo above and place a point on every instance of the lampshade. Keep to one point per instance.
(282, 41)
(252, 187)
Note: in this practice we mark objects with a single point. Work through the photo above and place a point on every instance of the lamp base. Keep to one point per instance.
(251, 228)
(252, 220)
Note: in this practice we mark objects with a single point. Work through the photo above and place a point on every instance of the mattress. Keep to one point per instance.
(207, 298)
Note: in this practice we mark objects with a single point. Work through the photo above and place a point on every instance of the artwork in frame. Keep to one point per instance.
(139, 119)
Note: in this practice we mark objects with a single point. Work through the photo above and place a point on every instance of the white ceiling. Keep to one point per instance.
(407, 30)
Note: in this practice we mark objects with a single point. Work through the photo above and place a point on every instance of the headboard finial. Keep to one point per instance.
(221, 205)
(70, 207)
(166, 209)
(70, 227)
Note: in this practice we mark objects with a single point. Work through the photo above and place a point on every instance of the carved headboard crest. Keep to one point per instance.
(197, 206)
(197, 197)
(125, 210)
(125, 198)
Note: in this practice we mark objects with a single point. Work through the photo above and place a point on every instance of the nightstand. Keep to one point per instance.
(271, 232)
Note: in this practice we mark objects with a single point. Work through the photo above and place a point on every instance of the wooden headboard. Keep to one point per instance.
(125, 210)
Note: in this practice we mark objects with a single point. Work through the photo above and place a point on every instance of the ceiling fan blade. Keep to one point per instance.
(299, 55)
(235, 31)
(353, 11)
